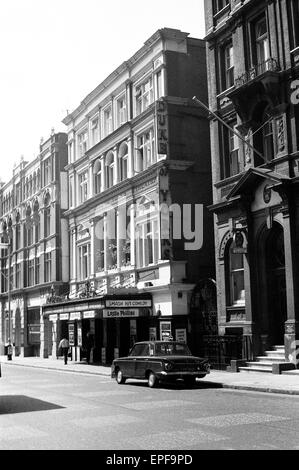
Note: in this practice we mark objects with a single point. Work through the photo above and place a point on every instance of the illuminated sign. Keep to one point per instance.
(128, 313)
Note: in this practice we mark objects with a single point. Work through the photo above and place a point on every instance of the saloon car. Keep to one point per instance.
(159, 360)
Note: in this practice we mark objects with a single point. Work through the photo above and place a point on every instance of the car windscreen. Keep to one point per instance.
(172, 349)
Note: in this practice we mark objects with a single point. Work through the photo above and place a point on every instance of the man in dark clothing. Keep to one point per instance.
(64, 345)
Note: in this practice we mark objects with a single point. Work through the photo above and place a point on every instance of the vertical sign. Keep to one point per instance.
(162, 127)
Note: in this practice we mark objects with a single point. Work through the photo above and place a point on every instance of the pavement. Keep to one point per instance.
(285, 383)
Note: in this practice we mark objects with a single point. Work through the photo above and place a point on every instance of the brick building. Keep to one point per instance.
(253, 58)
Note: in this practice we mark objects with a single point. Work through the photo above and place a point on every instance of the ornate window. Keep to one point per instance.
(234, 263)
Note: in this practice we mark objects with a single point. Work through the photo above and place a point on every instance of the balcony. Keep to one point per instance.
(261, 82)
(270, 65)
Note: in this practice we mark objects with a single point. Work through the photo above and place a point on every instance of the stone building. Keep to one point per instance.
(35, 262)
(139, 185)
(253, 58)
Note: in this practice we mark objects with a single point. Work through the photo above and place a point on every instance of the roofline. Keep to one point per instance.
(164, 33)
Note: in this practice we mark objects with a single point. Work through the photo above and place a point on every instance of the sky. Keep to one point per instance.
(55, 52)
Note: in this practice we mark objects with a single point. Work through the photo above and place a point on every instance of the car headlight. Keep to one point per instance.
(168, 366)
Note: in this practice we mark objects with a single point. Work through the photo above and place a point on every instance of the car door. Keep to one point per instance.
(141, 363)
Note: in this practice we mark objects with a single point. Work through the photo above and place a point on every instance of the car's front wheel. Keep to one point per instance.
(120, 379)
(152, 380)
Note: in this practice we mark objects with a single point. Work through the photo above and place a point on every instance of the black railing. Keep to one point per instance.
(270, 65)
(220, 350)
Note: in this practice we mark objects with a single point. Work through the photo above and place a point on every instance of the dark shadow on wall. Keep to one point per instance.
(10, 404)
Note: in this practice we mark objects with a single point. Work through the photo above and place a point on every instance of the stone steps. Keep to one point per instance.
(272, 361)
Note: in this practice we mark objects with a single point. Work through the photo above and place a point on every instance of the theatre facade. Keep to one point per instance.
(139, 187)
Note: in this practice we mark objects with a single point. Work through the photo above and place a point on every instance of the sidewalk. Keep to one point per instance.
(286, 383)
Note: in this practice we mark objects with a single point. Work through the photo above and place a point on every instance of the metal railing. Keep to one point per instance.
(220, 350)
(269, 65)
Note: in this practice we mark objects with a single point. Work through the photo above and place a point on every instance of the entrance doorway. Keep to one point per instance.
(276, 284)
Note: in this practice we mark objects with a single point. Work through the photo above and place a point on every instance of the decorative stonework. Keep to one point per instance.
(225, 240)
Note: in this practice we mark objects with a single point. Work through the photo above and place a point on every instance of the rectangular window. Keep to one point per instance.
(230, 151)
(47, 219)
(84, 261)
(227, 66)
(220, 4)
(261, 49)
(48, 267)
(95, 134)
(145, 153)
(37, 270)
(18, 274)
(31, 272)
(83, 187)
(82, 143)
(144, 95)
(147, 243)
(47, 171)
(107, 124)
(121, 111)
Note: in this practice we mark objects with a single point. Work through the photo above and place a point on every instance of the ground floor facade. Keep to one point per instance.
(257, 235)
(101, 329)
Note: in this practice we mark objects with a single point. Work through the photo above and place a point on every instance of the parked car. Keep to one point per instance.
(159, 360)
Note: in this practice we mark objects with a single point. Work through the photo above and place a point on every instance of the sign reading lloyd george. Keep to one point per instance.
(117, 313)
(128, 303)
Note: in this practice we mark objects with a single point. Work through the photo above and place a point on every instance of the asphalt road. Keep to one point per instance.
(41, 409)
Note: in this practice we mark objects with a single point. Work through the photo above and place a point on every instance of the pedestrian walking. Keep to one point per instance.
(64, 345)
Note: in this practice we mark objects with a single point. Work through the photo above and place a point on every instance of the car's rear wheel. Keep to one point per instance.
(190, 380)
(120, 379)
(152, 380)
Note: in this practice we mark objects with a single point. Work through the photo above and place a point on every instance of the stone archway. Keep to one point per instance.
(273, 303)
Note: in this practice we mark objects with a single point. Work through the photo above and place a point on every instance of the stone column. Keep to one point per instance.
(103, 174)
(130, 157)
(92, 246)
(132, 235)
(121, 234)
(116, 166)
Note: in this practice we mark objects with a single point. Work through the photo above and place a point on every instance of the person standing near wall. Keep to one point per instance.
(64, 345)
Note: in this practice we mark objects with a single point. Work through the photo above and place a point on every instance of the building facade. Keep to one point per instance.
(139, 186)
(253, 58)
(35, 262)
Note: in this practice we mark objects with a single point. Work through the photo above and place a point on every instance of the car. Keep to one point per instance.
(156, 361)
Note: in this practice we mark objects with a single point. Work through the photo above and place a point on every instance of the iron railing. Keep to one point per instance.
(221, 350)
(269, 65)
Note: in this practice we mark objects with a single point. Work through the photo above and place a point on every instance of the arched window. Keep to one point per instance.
(47, 215)
(234, 263)
(97, 176)
(123, 161)
(110, 169)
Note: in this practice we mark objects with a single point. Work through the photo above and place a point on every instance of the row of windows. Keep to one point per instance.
(29, 186)
(31, 272)
(264, 140)
(258, 58)
(116, 113)
(114, 168)
(147, 251)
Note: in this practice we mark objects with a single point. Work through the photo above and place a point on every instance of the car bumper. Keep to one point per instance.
(183, 374)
